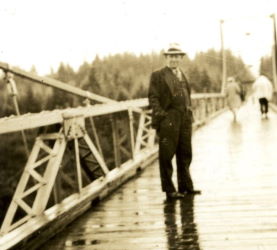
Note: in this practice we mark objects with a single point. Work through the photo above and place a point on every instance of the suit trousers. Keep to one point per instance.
(175, 139)
(263, 105)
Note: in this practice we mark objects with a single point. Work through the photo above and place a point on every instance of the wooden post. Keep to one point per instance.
(78, 165)
(131, 127)
(274, 53)
(117, 159)
(224, 69)
(140, 132)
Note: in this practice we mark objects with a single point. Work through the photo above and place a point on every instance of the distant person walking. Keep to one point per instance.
(233, 96)
(263, 90)
(169, 98)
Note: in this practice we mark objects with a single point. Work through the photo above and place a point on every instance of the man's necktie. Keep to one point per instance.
(178, 74)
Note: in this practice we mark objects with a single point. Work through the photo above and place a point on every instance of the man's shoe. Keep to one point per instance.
(193, 192)
(174, 195)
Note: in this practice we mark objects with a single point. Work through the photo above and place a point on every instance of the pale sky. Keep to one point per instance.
(44, 33)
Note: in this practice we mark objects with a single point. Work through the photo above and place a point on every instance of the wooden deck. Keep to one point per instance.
(235, 166)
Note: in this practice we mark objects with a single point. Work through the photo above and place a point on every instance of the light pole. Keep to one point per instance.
(274, 53)
(224, 70)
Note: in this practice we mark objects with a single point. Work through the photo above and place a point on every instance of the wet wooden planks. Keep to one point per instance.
(239, 207)
(235, 167)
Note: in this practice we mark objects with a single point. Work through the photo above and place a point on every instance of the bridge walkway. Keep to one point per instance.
(235, 167)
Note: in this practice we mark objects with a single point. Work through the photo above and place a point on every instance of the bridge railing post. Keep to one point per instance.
(117, 158)
(131, 129)
(12, 89)
(94, 131)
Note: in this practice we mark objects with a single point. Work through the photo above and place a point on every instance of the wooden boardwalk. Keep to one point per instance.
(235, 166)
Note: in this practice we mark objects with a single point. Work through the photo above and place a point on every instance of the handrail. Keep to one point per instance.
(45, 118)
(56, 84)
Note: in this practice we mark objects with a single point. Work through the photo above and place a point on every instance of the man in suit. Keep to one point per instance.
(169, 98)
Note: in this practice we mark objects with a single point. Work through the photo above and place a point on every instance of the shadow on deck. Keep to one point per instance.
(235, 167)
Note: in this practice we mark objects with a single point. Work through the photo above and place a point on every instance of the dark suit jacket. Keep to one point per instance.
(161, 93)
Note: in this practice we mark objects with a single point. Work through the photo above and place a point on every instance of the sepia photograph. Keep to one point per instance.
(138, 125)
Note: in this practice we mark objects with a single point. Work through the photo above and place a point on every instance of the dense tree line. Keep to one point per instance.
(120, 77)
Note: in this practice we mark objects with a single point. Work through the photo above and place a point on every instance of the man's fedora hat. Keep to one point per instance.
(174, 49)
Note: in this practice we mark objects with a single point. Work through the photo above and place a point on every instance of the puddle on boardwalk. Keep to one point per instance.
(181, 230)
(81, 242)
(176, 230)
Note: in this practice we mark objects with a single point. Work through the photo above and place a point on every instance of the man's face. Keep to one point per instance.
(173, 61)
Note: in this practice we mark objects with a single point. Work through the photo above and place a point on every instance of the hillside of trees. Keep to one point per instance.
(120, 77)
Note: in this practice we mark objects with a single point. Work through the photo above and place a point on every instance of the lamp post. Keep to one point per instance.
(224, 70)
(274, 52)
